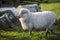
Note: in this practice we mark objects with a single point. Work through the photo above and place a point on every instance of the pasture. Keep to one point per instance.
(19, 34)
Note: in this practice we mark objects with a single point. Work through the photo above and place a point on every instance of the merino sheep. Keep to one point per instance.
(36, 20)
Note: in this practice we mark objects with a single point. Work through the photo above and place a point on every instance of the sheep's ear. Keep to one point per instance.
(24, 11)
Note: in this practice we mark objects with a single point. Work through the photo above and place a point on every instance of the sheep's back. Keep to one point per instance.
(41, 19)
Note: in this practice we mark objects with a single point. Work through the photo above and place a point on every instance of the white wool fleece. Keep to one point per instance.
(37, 20)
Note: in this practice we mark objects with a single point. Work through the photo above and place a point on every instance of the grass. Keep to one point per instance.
(19, 34)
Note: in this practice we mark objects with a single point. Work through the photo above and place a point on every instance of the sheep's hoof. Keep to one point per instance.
(30, 32)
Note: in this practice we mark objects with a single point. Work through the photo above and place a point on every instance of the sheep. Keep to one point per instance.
(31, 7)
(37, 20)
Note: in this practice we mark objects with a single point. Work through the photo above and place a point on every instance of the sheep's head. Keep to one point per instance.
(23, 12)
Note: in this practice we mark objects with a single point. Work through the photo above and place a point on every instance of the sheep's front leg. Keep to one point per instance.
(30, 28)
(30, 32)
(46, 31)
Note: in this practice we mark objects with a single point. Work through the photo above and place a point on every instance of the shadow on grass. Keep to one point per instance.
(54, 36)
(19, 29)
(14, 38)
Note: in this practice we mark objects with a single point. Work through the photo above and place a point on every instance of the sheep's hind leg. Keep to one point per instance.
(47, 31)
(51, 28)
(52, 31)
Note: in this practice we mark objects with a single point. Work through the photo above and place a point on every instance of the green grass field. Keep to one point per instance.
(19, 34)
